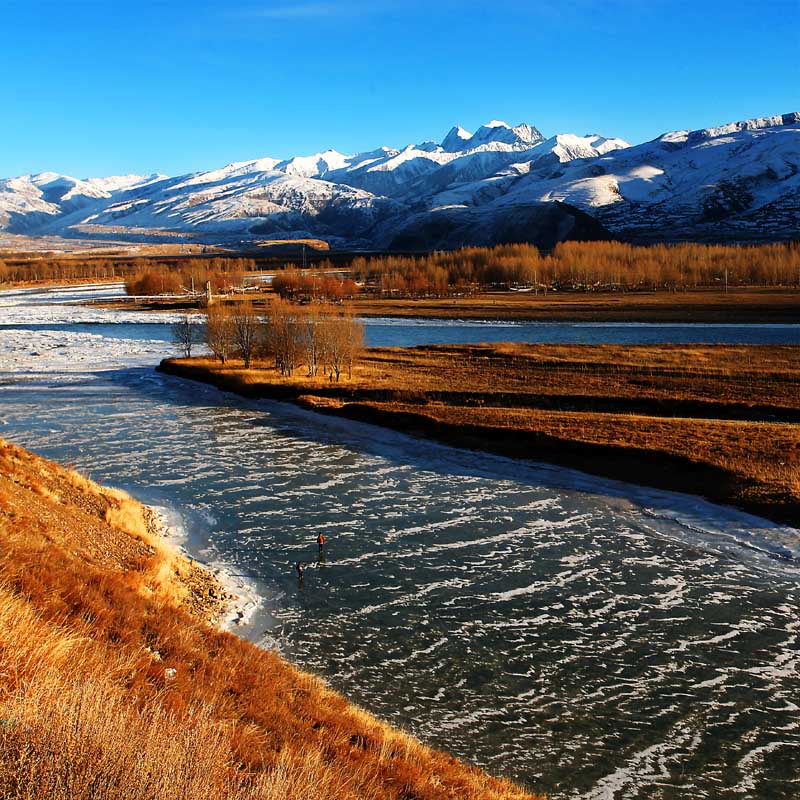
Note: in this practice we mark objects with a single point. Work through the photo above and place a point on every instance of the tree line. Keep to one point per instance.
(324, 339)
(589, 266)
(580, 265)
(29, 267)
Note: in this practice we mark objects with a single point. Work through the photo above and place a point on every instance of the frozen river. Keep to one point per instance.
(586, 637)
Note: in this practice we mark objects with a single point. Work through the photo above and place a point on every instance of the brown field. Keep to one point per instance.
(113, 684)
(739, 305)
(721, 421)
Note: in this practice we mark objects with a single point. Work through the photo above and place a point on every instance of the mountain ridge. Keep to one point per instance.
(736, 181)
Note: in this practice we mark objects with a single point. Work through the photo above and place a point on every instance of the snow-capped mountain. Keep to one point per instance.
(740, 181)
(500, 183)
(30, 202)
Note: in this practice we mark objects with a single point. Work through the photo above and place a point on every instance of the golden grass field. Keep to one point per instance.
(738, 305)
(114, 685)
(720, 421)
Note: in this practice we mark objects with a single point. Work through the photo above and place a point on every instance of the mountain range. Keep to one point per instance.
(735, 182)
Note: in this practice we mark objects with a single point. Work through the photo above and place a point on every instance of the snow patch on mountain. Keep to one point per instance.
(117, 183)
(316, 166)
(498, 131)
(456, 139)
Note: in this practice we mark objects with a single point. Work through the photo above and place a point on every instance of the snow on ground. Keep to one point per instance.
(50, 331)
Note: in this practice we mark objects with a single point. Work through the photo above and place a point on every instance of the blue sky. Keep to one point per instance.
(98, 88)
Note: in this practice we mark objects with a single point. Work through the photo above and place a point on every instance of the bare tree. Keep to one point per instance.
(185, 334)
(246, 326)
(342, 337)
(310, 339)
(220, 334)
(355, 340)
(282, 336)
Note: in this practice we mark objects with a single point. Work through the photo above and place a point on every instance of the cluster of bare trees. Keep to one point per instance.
(25, 267)
(155, 282)
(324, 339)
(580, 265)
(143, 275)
(192, 273)
(673, 266)
(295, 285)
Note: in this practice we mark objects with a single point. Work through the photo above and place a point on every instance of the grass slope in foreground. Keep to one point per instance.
(720, 421)
(113, 684)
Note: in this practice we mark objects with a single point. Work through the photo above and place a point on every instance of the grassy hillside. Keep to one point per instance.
(113, 684)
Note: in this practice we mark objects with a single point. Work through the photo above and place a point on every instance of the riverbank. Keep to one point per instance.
(240, 598)
(114, 682)
(718, 421)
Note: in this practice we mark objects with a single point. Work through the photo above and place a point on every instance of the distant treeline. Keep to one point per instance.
(587, 266)
(24, 268)
(580, 265)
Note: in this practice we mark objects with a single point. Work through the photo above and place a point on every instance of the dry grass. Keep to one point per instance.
(112, 686)
(746, 375)
(739, 305)
(765, 458)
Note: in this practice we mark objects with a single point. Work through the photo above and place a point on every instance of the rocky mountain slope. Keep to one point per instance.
(735, 182)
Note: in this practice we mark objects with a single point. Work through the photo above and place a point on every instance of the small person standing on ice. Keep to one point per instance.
(301, 568)
(321, 544)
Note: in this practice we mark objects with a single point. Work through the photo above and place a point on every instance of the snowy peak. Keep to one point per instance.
(316, 166)
(568, 147)
(456, 139)
(527, 134)
(496, 132)
(758, 124)
(234, 170)
(520, 136)
(58, 189)
(118, 183)
(749, 125)
(739, 181)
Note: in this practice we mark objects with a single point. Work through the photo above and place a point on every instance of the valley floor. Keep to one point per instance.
(716, 420)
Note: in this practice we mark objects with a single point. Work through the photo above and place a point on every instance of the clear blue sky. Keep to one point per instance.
(98, 88)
